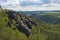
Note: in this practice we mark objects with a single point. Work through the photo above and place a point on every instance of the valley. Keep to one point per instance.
(36, 25)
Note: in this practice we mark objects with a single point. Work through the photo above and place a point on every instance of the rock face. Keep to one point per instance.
(23, 25)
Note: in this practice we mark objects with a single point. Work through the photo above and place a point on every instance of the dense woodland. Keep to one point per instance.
(18, 26)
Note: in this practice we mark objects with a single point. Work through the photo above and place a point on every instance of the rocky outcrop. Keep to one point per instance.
(23, 25)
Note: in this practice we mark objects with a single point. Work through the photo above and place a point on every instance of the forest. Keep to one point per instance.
(38, 26)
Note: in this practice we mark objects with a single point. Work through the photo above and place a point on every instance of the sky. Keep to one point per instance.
(30, 5)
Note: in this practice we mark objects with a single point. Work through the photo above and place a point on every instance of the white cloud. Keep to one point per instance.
(15, 5)
(51, 5)
(13, 2)
(30, 8)
(30, 0)
(55, 4)
(2, 3)
(10, 2)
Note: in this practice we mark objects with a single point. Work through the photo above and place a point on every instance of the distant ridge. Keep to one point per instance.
(43, 11)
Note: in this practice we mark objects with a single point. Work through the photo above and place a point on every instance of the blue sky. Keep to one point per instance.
(30, 5)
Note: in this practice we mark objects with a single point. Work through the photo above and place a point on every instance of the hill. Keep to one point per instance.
(38, 26)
